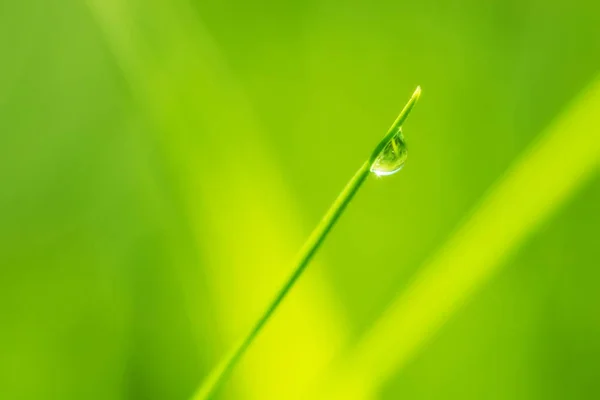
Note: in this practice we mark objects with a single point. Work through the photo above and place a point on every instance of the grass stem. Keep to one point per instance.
(220, 373)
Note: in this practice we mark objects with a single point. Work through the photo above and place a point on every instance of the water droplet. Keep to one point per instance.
(392, 157)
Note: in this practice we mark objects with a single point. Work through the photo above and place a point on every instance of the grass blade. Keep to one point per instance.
(184, 91)
(537, 185)
(220, 373)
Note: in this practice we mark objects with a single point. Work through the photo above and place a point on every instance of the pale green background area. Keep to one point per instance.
(95, 242)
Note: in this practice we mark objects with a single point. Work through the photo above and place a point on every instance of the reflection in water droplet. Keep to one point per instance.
(392, 157)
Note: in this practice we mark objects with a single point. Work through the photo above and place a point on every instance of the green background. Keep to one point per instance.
(162, 161)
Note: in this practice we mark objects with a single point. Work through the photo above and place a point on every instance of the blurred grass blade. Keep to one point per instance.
(556, 166)
(191, 98)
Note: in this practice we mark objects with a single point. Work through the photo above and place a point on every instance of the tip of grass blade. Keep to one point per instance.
(406, 110)
(417, 93)
(396, 125)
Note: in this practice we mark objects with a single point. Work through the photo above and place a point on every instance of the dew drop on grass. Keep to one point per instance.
(392, 157)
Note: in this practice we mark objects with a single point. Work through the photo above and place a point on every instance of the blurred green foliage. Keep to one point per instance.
(162, 161)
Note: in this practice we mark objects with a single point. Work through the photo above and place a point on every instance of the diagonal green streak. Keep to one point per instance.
(566, 155)
(312, 244)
